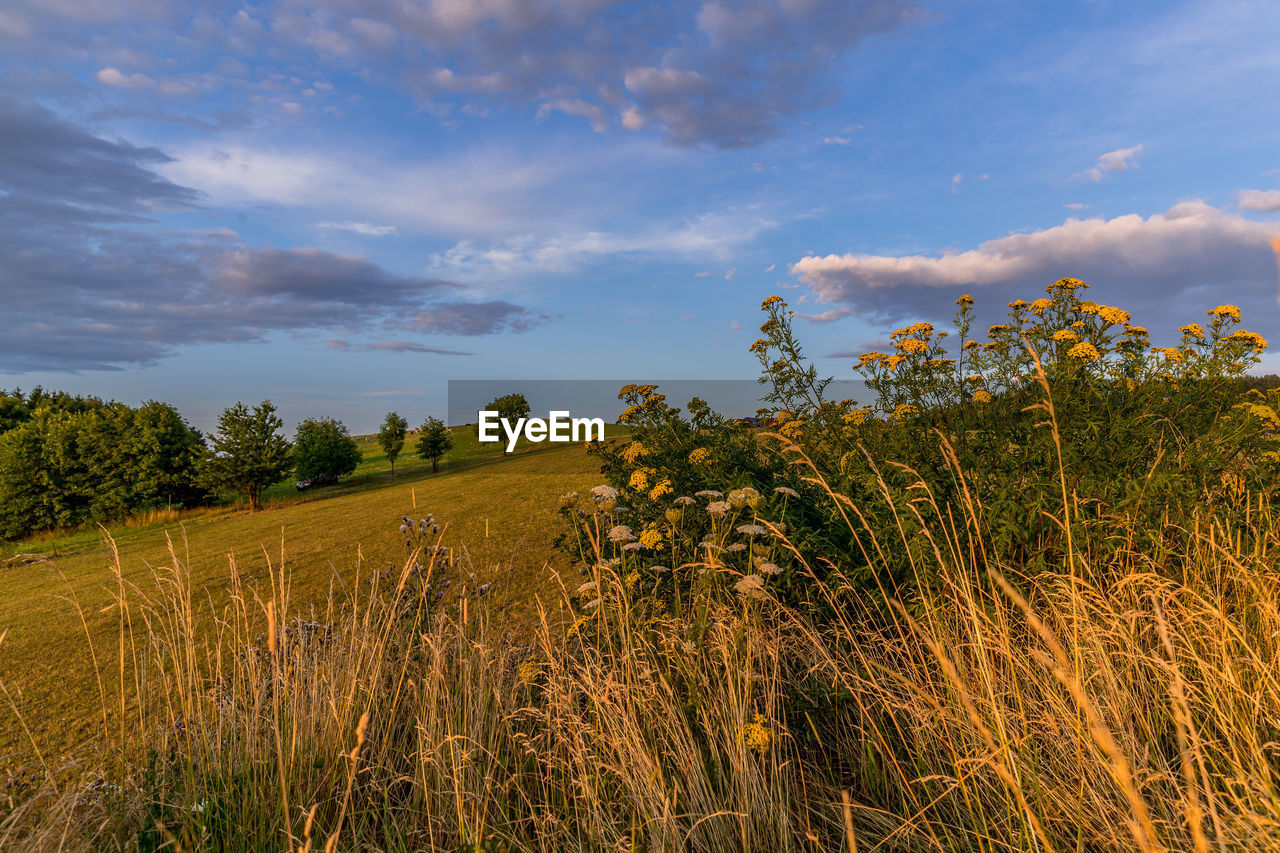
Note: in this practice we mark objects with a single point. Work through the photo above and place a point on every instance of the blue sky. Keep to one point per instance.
(342, 205)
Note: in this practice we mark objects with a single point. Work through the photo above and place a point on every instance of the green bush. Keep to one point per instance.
(1068, 402)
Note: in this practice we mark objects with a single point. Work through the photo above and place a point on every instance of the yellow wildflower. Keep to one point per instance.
(857, 416)
(970, 344)
(1252, 339)
(792, 429)
(1019, 304)
(527, 671)
(920, 328)
(894, 360)
(981, 396)
(651, 538)
(1064, 335)
(661, 490)
(1113, 316)
(1172, 354)
(700, 456)
(1089, 308)
(757, 735)
(1084, 351)
(1226, 311)
(639, 480)
(904, 410)
(1065, 285)
(997, 329)
(634, 451)
(1193, 330)
(759, 345)
(911, 345)
(772, 300)
(1040, 305)
(965, 300)
(870, 358)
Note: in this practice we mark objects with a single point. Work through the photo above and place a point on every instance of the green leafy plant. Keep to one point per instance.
(248, 452)
(324, 450)
(391, 437)
(434, 441)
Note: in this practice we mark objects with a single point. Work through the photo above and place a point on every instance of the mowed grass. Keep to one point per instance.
(500, 514)
(375, 467)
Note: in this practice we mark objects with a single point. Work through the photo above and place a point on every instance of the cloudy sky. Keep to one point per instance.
(342, 204)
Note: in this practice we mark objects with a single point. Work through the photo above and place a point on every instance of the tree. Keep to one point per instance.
(24, 498)
(434, 442)
(512, 407)
(391, 437)
(323, 449)
(13, 409)
(167, 451)
(248, 452)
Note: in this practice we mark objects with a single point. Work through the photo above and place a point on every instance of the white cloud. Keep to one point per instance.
(1171, 262)
(484, 192)
(113, 77)
(826, 316)
(366, 228)
(576, 107)
(633, 118)
(1120, 160)
(1262, 201)
(708, 236)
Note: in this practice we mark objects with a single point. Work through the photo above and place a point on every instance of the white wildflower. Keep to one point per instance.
(751, 586)
(621, 533)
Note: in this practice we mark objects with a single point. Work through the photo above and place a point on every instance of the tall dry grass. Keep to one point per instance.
(1128, 706)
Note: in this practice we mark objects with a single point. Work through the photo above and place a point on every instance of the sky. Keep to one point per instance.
(342, 205)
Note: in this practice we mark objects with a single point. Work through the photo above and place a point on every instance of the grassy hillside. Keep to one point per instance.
(502, 508)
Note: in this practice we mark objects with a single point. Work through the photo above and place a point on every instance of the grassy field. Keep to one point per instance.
(499, 511)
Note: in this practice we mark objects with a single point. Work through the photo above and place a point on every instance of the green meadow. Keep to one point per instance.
(57, 601)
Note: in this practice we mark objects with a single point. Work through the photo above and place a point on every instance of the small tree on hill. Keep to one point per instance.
(434, 442)
(248, 453)
(323, 449)
(391, 437)
(511, 407)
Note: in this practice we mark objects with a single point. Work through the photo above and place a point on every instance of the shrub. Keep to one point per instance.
(1068, 402)
(324, 450)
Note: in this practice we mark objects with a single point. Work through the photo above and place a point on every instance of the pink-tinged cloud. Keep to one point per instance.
(1120, 160)
(1178, 262)
(113, 77)
(1262, 201)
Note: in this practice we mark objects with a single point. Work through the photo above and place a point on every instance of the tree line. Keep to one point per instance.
(69, 459)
